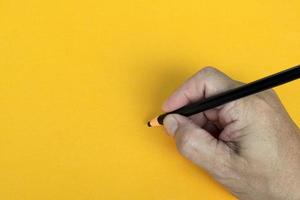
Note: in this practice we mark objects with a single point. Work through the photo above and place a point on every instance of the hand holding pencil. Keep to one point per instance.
(249, 145)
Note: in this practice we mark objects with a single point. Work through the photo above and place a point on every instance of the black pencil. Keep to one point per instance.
(233, 94)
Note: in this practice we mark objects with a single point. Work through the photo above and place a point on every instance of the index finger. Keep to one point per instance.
(207, 82)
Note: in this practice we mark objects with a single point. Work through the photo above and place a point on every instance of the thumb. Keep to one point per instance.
(195, 143)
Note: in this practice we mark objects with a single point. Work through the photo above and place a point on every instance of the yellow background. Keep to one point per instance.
(79, 80)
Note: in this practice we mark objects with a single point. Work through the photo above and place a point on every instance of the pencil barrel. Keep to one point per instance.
(237, 93)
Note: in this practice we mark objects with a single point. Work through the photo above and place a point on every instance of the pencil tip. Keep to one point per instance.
(153, 122)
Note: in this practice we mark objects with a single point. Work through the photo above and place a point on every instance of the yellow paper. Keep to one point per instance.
(80, 79)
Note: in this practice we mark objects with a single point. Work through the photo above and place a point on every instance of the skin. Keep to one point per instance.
(251, 145)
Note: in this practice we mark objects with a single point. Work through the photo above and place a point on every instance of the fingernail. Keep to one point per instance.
(170, 124)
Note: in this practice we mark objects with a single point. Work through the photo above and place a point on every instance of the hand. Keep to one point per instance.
(251, 145)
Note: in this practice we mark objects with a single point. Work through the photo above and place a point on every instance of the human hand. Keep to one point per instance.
(251, 145)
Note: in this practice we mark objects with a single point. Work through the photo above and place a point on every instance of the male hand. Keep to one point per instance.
(250, 145)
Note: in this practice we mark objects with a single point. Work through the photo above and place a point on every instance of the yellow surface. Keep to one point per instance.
(79, 80)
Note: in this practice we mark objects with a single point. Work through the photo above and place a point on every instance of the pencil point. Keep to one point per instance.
(153, 123)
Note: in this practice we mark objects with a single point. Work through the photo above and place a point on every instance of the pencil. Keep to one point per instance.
(233, 94)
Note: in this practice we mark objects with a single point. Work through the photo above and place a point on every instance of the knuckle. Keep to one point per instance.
(207, 73)
(208, 70)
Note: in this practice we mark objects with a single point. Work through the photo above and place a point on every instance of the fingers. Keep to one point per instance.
(205, 83)
(195, 143)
